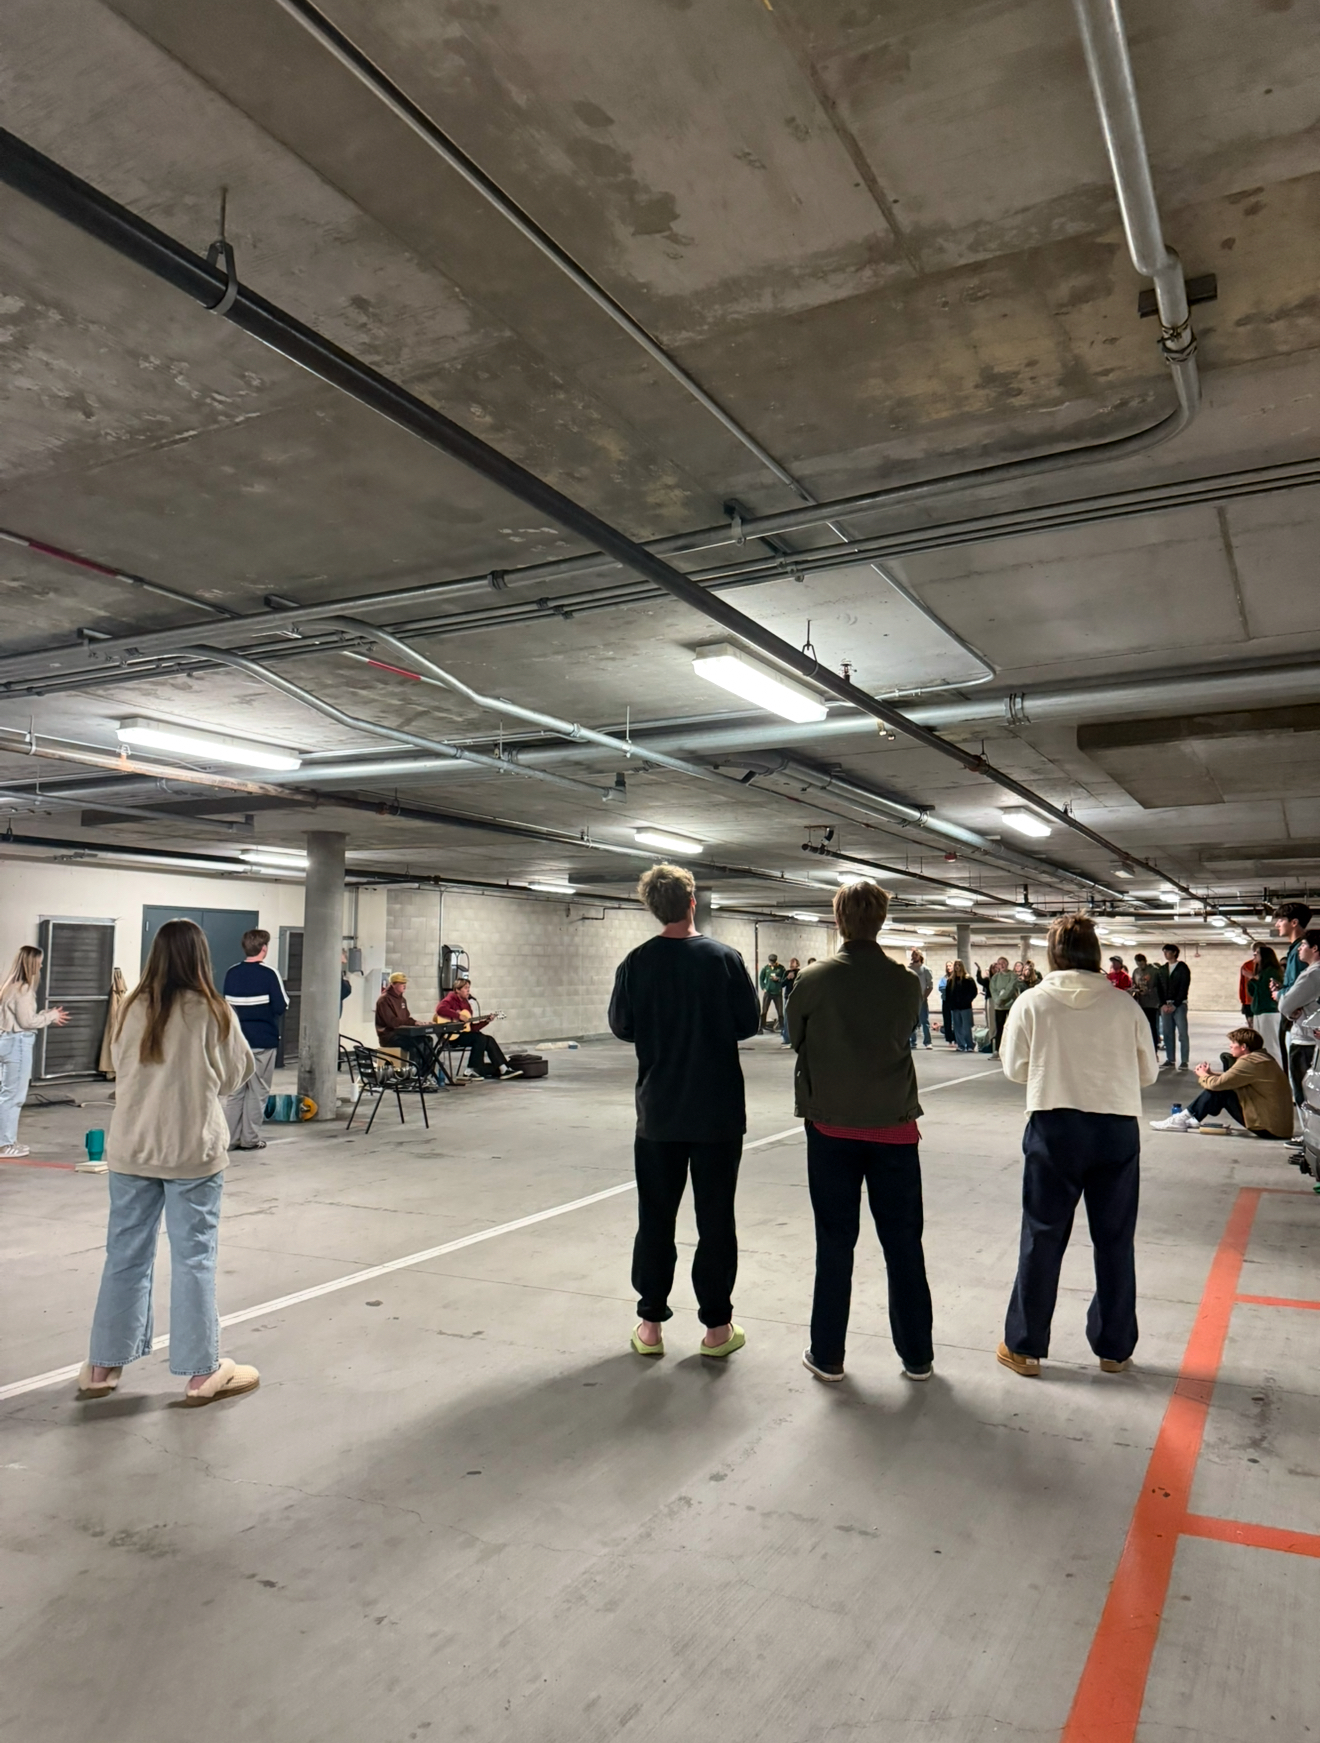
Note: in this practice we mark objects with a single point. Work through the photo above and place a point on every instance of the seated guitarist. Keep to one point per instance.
(486, 1058)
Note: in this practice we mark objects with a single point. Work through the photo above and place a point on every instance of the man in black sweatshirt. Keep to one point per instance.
(1175, 982)
(256, 995)
(685, 1002)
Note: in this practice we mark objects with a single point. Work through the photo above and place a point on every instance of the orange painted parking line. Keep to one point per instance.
(22, 1162)
(1278, 1301)
(1254, 1536)
(1107, 1705)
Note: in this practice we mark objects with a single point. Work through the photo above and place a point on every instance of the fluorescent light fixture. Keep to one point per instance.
(803, 915)
(549, 889)
(1122, 871)
(728, 666)
(851, 877)
(960, 899)
(1027, 914)
(1218, 920)
(278, 858)
(663, 838)
(211, 747)
(1025, 822)
(1171, 897)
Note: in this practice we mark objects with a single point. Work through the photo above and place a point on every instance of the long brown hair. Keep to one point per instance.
(25, 970)
(959, 969)
(180, 962)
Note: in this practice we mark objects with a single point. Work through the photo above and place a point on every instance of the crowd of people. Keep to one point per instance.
(192, 1065)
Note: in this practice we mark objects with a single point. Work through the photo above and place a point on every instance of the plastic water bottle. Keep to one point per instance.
(1177, 1108)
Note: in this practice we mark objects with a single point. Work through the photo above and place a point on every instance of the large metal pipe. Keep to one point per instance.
(69, 196)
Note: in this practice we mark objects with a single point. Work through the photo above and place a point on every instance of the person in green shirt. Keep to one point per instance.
(771, 979)
(1266, 974)
(1001, 988)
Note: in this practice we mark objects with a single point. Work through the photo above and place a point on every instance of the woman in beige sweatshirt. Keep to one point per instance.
(19, 1021)
(177, 1054)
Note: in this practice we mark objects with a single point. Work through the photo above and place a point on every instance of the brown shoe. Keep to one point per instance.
(1109, 1366)
(1027, 1366)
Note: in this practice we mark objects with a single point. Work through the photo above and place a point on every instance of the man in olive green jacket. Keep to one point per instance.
(855, 1085)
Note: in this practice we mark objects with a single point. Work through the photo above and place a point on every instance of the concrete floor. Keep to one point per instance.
(459, 1507)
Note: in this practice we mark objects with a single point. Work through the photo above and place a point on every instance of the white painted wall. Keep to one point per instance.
(31, 890)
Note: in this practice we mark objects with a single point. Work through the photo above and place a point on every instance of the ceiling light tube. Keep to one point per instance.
(552, 889)
(211, 747)
(665, 839)
(1026, 822)
(1027, 914)
(814, 919)
(283, 858)
(959, 899)
(727, 665)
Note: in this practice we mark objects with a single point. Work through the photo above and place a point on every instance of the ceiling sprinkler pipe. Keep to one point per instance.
(68, 196)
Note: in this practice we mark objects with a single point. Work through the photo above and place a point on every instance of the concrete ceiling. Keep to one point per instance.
(882, 235)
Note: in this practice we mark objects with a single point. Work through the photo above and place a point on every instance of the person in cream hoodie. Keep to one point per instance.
(178, 1052)
(1084, 1051)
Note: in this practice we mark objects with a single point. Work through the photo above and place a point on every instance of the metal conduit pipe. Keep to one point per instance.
(54, 187)
(500, 765)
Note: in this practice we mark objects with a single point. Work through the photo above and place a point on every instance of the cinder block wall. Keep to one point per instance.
(549, 966)
(412, 945)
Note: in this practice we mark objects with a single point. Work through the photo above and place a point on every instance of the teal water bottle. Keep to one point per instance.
(95, 1142)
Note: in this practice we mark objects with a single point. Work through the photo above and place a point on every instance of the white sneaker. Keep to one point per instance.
(14, 1150)
(1182, 1122)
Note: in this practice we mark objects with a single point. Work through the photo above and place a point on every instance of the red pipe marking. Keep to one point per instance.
(1107, 1705)
(398, 671)
(22, 1162)
(1253, 1536)
(1278, 1301)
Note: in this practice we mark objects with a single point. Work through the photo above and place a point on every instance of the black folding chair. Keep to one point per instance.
(378, 1076)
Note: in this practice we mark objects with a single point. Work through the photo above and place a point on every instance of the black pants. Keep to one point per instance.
(1001, 1017)
(836, 1170)
(1152, 1015)
(662, 1172)
(1300, 1061)
(946, 1025)
(1070, 1155)
(772, 996)
(1216, 1101)
(486, 1055)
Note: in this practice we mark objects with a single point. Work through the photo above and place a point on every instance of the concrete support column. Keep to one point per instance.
(323, 926)
(965, 944)
(1025, 944)
(703, 911)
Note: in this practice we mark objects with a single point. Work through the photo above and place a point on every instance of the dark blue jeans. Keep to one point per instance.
(836, 1170)
(1071, 1155)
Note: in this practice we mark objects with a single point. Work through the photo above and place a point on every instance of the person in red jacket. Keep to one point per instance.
(486, 1057)
(1118, 975)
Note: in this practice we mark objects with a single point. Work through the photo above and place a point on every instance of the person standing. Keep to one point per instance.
(177, 1053)
(1001, 989)
(1175, 983)
(1299, 1007)
(855, 1086)
(1252, 1090)
(791, 974)
(1245, 973)
(685, 1002)
(255, 993)
(961, 996)
(1262, 991)
(1290, 921)
(1084, 1051)
(19, 1021)
(917, 964)
(772, 991)
(1146, 991)
(1118, 976)
(946, 1016)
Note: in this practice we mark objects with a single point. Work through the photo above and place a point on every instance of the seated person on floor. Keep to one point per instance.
(1253, 1091)
(486, 1058)
(392, 1013)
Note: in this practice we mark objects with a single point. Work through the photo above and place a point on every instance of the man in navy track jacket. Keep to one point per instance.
(257, 998)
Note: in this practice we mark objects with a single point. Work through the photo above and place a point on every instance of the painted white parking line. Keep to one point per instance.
(58, 1376)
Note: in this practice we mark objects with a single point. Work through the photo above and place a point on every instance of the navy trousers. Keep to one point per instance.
(837, 1168)
(1070, 1155)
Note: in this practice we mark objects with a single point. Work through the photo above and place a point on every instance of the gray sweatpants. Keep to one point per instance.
(246, 1108)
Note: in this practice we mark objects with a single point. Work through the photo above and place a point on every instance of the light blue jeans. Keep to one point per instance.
(122, 1323)
(15, 1075)
(1171, 1022)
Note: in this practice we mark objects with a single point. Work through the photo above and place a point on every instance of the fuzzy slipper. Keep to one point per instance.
(102, 1389)
(642, 1349)
(735, 1341)
(229, 1381)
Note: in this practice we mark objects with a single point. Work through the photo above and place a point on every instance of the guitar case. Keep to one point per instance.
(530, 1064)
